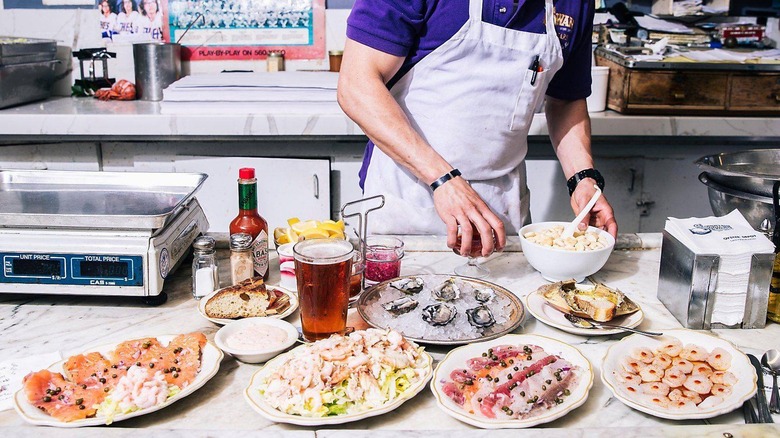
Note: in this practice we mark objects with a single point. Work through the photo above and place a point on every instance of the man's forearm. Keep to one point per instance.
(364, 97)
(569, 126)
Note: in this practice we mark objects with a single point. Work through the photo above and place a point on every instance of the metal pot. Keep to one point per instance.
(724, 200)
(753, 172)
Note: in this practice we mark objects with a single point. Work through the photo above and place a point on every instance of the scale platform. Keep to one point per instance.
(95, 233)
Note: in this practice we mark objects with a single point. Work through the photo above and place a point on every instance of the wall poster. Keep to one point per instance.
(132, 21)
(248, 29)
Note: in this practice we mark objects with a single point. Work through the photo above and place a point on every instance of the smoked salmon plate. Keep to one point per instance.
(512, 382)
(119, 381)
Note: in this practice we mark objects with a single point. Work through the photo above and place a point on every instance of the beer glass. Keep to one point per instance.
(323, 268)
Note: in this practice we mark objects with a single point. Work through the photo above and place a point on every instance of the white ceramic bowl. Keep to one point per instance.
(262, 353)
(559, 264)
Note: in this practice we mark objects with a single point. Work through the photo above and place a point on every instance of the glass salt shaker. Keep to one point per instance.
(205, 275)
(241, 261)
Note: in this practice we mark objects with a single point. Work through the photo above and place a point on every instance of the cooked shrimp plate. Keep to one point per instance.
(676, 376)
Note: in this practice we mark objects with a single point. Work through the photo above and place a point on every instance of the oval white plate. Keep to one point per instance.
(258, 403)
(457, 359)
(553, 317)
(209, 365)
(740, 367)
(223, 321)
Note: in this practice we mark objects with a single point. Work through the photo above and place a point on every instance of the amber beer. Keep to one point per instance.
(323, 268)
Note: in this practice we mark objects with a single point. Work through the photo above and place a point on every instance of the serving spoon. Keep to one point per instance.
(572, 227)
(771, 360)
(584, 323)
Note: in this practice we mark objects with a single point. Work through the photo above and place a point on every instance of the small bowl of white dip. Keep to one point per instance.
(256, 340)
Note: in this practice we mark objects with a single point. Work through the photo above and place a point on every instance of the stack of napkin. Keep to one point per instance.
(245, 92)
(735, 241)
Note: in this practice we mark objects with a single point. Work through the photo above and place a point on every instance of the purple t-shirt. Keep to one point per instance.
(414, 28)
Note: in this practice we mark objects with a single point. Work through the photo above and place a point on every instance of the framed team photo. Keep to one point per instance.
(131, 21)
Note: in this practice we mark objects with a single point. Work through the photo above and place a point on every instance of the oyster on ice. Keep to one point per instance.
(401, 305)
(480, 317)
(409, 286)
(484, 295)
(447, 291)
(439, 314)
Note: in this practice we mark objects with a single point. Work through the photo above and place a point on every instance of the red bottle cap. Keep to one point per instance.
(246, 173)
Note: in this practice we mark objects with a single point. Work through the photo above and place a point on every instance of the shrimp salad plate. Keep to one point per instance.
(682, 375)
(116, 382)
(340, 379)
(515, 381)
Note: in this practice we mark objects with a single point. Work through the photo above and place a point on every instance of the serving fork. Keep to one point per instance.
(586, 324)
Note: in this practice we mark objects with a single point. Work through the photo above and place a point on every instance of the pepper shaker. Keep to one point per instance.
(241, 260)
(205, 275)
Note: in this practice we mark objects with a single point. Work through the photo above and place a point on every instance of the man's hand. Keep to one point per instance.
(457, 204)
(601, 216)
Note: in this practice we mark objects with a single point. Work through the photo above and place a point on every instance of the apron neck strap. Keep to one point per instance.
(475, 9)
(549, 18)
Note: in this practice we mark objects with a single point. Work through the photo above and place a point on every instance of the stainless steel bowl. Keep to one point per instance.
(724, 200)
(753, 171)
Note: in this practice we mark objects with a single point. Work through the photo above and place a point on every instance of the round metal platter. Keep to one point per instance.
(370, 298)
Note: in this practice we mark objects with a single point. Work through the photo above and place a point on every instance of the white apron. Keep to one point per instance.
(472, 100)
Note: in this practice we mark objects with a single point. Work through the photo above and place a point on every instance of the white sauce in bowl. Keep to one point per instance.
(256, 337)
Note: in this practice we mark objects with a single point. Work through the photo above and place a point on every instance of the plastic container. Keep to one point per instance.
(597, 101)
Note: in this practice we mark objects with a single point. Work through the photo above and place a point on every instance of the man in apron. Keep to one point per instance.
(446, 91)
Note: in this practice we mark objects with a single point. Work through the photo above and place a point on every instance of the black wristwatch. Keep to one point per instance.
(582, 174)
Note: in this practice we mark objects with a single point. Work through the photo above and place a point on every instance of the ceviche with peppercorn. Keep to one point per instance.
(511, 382)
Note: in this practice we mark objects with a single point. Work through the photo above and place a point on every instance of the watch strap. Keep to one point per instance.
(582, 174)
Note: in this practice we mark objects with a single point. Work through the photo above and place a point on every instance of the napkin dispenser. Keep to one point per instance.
(687, 282)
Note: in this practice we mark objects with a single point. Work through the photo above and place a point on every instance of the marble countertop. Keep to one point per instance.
(87, 117)
(34, 325)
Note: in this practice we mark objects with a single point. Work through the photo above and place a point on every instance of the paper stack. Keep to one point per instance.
(245, 92)
(734, 241)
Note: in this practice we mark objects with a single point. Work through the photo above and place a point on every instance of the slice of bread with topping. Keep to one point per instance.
(243, 300)
(599, 303)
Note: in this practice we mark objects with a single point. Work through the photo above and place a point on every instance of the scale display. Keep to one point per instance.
(68, 269)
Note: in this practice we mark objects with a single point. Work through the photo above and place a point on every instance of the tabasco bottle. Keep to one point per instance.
(249, 221)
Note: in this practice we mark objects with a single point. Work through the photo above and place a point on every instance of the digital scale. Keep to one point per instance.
(96, 233)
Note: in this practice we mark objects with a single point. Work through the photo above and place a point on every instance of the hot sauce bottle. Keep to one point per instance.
(249, 221)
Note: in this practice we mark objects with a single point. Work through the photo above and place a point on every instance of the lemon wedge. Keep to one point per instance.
(279, 232)
(302, 226)
(314, 233)
(331, 226)
(291, 235)
(336, 234)
(281, 240)
(292, 221)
